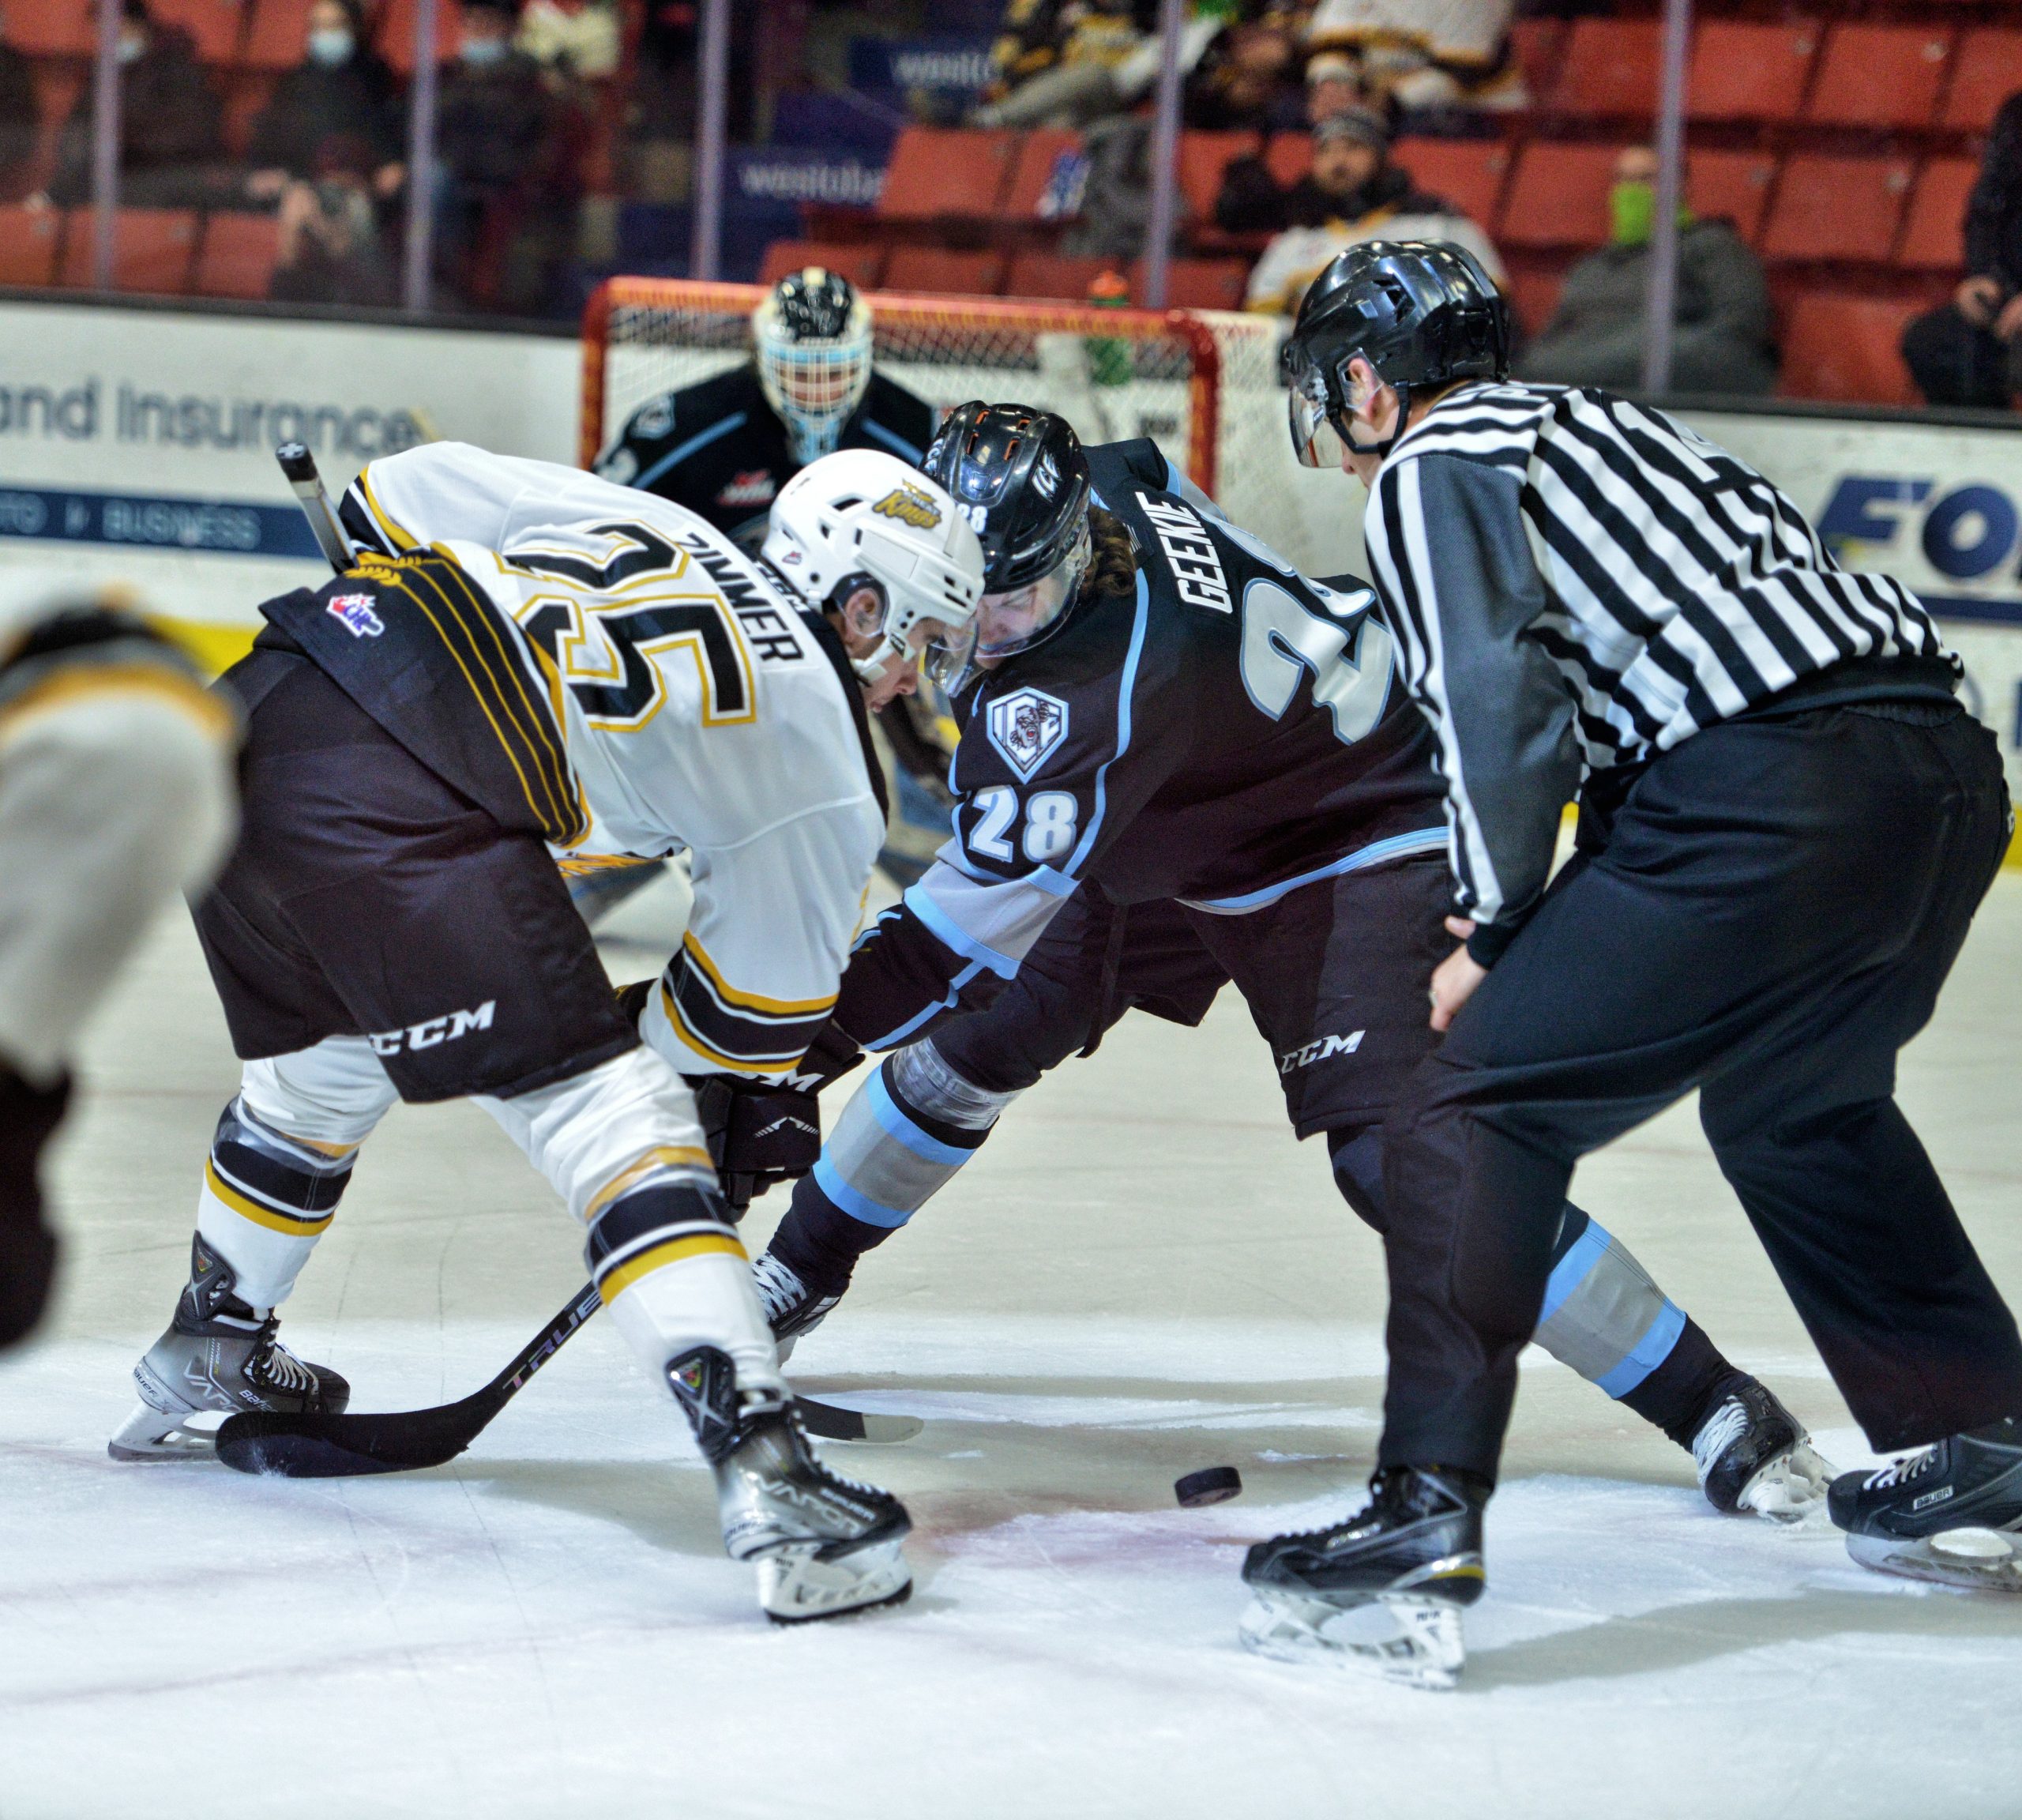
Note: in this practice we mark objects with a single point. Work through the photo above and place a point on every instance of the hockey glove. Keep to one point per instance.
(29, 1117)
(758, 1134)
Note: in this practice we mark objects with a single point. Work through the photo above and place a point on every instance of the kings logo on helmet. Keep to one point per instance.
(910, 506)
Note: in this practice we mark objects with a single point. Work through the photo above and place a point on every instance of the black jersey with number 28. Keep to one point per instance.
(1230, 731)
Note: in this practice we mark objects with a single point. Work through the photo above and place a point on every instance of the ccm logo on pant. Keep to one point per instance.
(426, 1035)
(1320, 1049)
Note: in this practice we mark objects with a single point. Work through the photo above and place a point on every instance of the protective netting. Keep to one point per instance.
(1202, 384)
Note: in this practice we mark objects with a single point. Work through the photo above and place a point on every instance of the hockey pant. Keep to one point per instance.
(619, 1142)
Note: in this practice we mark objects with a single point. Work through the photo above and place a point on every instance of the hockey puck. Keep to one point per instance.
(1211, 1485)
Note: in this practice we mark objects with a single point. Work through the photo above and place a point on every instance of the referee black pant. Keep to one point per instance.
(1768, 919)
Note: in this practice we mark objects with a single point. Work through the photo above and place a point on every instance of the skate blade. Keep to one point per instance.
(1981, 1560)
(150, 1437)
(796, 1587)
(1792, 1487)
(1427, 1650)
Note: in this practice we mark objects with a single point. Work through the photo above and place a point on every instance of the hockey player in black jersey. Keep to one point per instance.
(725, 447)
(1183, 763)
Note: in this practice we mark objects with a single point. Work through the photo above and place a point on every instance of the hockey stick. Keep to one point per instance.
(299, 465)
(322, 1446)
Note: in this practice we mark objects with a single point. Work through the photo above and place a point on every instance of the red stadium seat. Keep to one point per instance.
(1198, 283)
(1730, 184)
(1469, 173)
(153, 250)
(940, 171)
(1559, 196)
(1847, 348)
(1537, 44)
(1032, 173)
(1051, 278)
(53, 27)
(1288, 157)
(1534, 295)
(278, 36)
(237, 256)
(937, 270)
(1880, 76)
(1933, 238)
(1837, 208)
(395, 35)
(1609, 69)
(29, 239)
(216, 25)
(863, 265)
(1748, 72)
(1203, 158)
(1986, 71)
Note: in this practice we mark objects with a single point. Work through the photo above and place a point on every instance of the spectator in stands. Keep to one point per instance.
(1445, 60)
(1353, 193)
(1333, 85)
(582, 37)
(1055, 62)
(172, 146)
(332, 249)
(510, 178)
(20, 119)
(1722, 340)
(340, 86)
(1970, 352)
(1247, 81)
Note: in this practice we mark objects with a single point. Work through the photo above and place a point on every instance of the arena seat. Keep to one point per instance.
(1986, 71)
(1469, 173)
(1053, 277)
(395, 34)
(1879, 75)
(1933, 237)
(943, 272)
(52, 27)
(1537, 44)
(1534, 295)
(1198, 283)
(237, 255)
(278, 36)
(1609, 69)
(1203, 158)
(937, 172)
(863, 265)
(216, 25)
(1288, 157)
(153, 250)
(1031, 173)
(1744, 71)
(29, 239)
(1846, 208)
(1846, 347)
(1559, 196)
(1733, 184)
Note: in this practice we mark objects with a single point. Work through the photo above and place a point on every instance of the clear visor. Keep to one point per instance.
(1315, 441)
(1009, 622)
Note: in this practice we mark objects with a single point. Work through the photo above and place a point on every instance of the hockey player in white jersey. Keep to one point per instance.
(529, 665)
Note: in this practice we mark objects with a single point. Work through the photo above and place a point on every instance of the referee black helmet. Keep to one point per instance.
(1422, 313)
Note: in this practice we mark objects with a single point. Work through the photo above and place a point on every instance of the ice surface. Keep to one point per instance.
(1142, 1275)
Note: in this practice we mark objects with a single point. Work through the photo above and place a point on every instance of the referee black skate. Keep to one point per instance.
(1786, 821)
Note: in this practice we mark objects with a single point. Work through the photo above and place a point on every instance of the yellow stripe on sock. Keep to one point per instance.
(662, 1156)
(260, 1215)
(657, 1257)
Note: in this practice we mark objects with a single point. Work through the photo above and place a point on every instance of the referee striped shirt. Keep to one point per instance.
(1579, 583)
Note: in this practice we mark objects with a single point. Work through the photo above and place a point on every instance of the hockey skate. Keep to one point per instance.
(1951, 1513)
(217, 1356)
(824, 1545)
(792, 1308)
(1753, 1456)
(1414, 1555)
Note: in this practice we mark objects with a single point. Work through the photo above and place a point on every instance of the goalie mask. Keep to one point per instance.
(862, 519)
(1019, 477)
(813, 337)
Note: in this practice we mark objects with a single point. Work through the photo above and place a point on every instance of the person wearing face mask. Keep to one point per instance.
(171, 149)
(1723, 338)
(340, 89)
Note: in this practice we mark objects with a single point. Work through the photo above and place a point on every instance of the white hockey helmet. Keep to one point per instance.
(861, 517)
(812, 334)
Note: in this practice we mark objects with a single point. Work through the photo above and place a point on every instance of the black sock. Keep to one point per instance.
(1690, 1384)
(821, 1244)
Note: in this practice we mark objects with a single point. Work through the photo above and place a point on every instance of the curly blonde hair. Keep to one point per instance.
(1112, 565)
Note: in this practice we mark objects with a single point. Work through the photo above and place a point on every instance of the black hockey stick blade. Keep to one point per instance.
(322, 1446)
(831, 1422)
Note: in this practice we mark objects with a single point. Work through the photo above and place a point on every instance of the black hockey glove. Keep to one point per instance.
(757, 1134)
(29, 1115)
(833, 1053)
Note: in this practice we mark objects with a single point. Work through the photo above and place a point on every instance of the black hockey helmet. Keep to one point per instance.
(1019, 477)
(1420, 312)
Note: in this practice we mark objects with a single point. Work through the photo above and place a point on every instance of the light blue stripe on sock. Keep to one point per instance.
(858, 1206)
(1650, 1352)
(892, 1116)
(1571, 1270)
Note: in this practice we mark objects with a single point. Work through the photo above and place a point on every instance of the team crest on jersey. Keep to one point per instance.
(1027, 727)
(755, 486)
(910, 506)
(355, 613)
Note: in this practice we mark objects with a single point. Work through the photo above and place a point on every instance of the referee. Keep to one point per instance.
(1786, 821)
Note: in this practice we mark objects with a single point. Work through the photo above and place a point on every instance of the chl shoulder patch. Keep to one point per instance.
(1027, 727)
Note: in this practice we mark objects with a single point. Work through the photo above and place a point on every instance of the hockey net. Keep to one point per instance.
(1201, 384)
